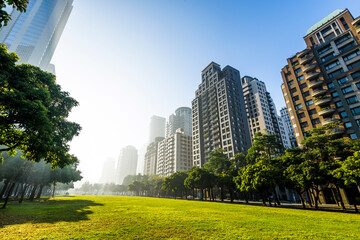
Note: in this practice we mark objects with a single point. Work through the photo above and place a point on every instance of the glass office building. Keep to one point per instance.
(34, 34)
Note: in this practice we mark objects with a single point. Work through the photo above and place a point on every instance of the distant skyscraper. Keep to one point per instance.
(108, 171)
(127, 163)
(288, 127)
(219, 115)
(181, 119)
(157, 128)
(34, 34)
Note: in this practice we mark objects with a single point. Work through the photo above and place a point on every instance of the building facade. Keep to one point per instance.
(127, 163)
(260, 109)
(34, 34)
(174, 153)
(321, 83)
(284, 114)
(151, 157)
(218, 114)
(181, 119)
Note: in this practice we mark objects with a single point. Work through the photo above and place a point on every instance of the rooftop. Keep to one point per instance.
(324, 21)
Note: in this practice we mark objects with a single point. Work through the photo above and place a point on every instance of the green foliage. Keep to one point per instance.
(5, 17)
(34, 113)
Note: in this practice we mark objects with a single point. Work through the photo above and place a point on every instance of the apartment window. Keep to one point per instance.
(358, 85)
(328, 57)
(323, 32)
(295, 63)
(300, 78)
(324, 49)
(346, 47)
(310, 102)
(353, 136)
(353, 65)
(297, 70)
(290, 83)
(344, 23)
(304, 124)
(339, 104)
(351, 100)
(355, 111)
(302, 86)
(330, 85)
(343, 80)
(293, 90)
(301, 115)
(342, 39)
(295, 98)
(315, 121)
(334, 94)
(352, 55)
(332, 65)
(343, 115)
(299, 106)
(347, 90)
(348, 125)
(355, 75)
(312, 112)
(305, 94)
(336, 73)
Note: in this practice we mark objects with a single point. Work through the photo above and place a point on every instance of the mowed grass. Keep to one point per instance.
(113, 217)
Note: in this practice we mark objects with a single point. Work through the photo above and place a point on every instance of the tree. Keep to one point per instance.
(34, 113)
(202, 179)
(5, 17)
(175, 183)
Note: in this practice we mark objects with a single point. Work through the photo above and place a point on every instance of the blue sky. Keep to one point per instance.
(125, 61)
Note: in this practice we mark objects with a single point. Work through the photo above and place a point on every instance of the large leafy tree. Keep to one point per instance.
(5, 17)
(175, 183)
(33, 113)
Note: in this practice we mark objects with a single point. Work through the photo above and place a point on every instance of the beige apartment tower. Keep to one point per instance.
(321, 83)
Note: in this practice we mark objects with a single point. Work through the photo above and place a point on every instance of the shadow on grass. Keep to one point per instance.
(46, 211)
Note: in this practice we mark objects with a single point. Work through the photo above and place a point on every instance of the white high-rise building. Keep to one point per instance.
(181, 119)
(127, 163)
(174, 153)
(34, 34)
(288, 126)
(157, 128)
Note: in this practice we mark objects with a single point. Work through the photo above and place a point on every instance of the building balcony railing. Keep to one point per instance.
(329, 120)
(309, 68)
(312, 75)
(315, 83)
(317, 93)
(306, 59)
(356, 22)
(303, 53)
(338, 130)
(322, 102)
(326, 111)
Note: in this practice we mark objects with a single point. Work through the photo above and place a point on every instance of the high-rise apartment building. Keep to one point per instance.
(218, 114)
(34, 34)
(174, 153)
(157, 128)
(151, 157)
(127, 163)
(260, 108)
(181, 119)
(288, 127)
(321, 83)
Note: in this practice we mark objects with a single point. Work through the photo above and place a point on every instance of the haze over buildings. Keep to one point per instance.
(127, 163)
(108, 171)
(34, 34)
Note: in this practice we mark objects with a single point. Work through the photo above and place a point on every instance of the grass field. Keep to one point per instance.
(112, 217)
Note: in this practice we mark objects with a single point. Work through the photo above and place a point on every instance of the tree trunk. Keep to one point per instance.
(40, 191)
(4, 189)
(301, 199)
(222, 193)
(231, 196)
(23, 193)
(8, 195)
(202, 194)
(263, 199)
(340, 198)
(32, 195)
(19, 191)
(276, 197)
(246, 198)
(53, 192)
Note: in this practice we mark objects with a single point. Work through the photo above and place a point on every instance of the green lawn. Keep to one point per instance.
(112, 217)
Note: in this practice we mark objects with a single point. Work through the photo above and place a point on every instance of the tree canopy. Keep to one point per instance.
(5, 17)
(33, 113)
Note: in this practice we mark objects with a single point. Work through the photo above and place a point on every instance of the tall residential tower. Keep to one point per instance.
(34, 34)
(218, 114)
(181, 119)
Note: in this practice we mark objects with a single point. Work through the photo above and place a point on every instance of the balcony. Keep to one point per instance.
(321, 102)
(326, 111)
(315, 83)
(303, 53)
(338, 130)
(309, 68)
(305, 60)
(317, 93)
(329, 120)
(312, 75)
(356, 22)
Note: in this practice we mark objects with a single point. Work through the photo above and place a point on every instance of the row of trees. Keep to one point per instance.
(323, 161)
(20, 178)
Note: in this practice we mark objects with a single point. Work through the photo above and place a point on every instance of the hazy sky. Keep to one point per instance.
(125, 61)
